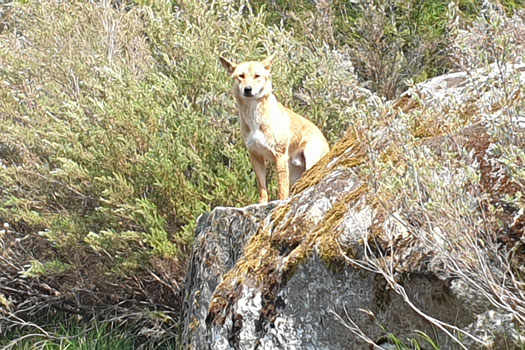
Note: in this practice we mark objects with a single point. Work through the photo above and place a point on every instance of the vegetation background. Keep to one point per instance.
(117, 129)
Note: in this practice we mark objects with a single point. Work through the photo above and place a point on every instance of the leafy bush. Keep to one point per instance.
(388, 42)
(393, 41)
(491, 38)
(118, 129)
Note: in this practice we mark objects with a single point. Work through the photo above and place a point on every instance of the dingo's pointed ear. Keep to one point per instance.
(229, 66)
(267, 62)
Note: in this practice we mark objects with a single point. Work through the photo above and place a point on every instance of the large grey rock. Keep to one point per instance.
(334, 268)
(313, 308)
(308, 304)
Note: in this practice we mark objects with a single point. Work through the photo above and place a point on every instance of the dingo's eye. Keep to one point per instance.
(241, 76)
(256, 76)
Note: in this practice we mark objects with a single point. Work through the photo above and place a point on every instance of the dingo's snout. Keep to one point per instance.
(252, 84)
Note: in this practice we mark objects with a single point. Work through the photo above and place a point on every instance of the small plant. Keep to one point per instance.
(79, 336)
(393, 41)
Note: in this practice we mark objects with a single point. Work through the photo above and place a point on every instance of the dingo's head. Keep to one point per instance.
(251, 80)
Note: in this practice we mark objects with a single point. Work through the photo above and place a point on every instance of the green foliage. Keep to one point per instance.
(511, 6)
(73, 335)
(300, 17)
(394, 41)
(118, 129)
(388, 41)
(415, 343)
(46, 269)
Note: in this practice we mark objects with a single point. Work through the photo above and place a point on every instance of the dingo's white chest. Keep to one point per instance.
(257, 142)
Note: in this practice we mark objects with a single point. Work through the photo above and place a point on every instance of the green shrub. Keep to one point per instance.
(394, 41)
(119, 129)
(388, 42)
(511, 6)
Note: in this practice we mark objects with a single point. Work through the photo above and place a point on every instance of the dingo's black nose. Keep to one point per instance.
(248, 90)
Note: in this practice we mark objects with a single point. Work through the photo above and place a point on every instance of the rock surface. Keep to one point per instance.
(218, 243)
(314, 308)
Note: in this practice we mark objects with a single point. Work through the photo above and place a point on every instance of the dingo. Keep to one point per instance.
(271, 131)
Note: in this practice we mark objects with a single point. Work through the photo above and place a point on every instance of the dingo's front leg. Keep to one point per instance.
(283, 172)
(260, 172)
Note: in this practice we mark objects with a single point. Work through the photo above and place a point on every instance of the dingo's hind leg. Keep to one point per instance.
(297, 167)
(313, 152)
